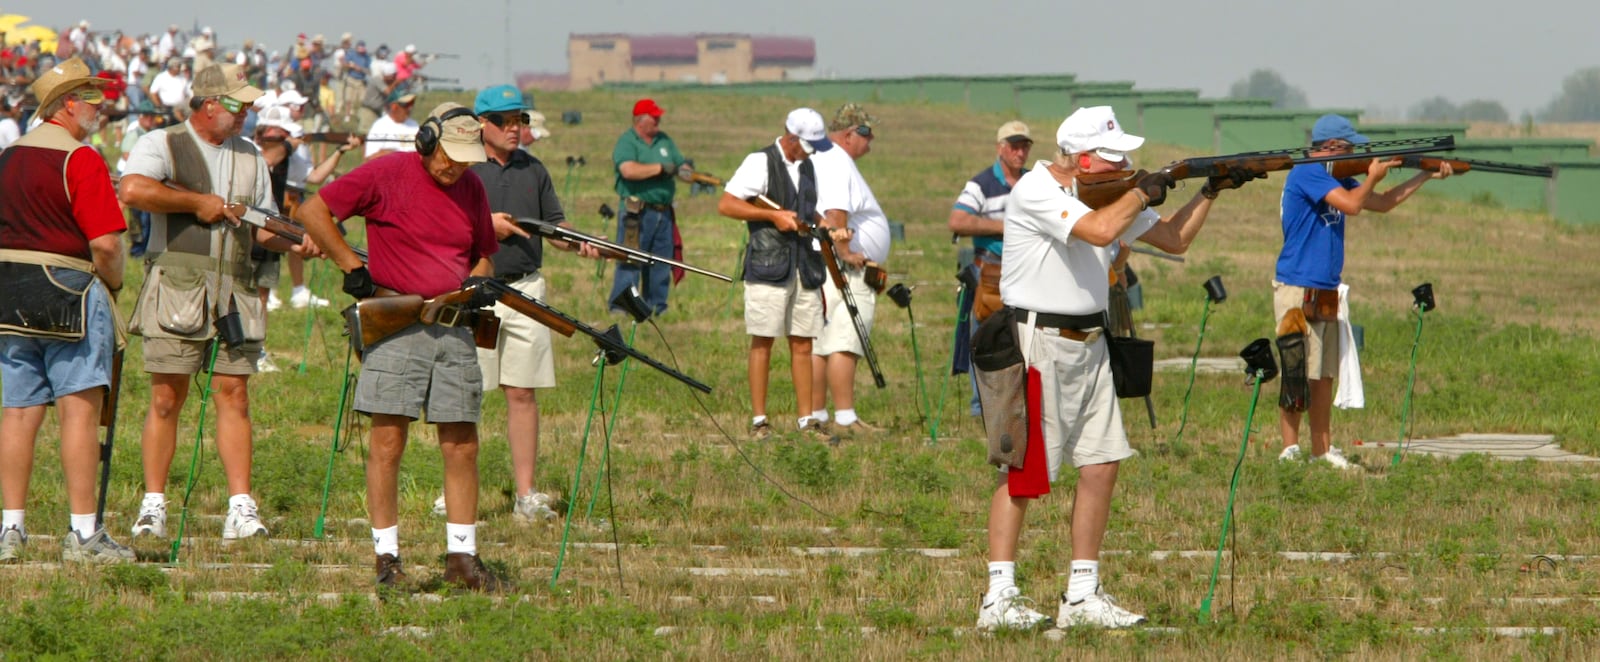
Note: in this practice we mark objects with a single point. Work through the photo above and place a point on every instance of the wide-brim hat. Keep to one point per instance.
(63, 78)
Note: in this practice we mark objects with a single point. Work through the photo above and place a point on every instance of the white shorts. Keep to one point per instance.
(838, 332)
(522, 355)
(772, 311)
(1082, 419)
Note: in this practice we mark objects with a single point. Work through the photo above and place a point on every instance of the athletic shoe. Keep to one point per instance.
(534, 507)
(303, 297)
(814, 430)
(12, 541)
(1009, 611)
(98, 548)
(243, 521)
(467, 571)
(1335, 459)
(438, 506)
(152, 522)
(855, 430)
(264, 363)
(1291, 453)
(1098, 610)
(273, 302)
(761, 431)
(389, 573)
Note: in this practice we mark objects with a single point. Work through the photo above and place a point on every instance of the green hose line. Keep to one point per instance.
(1194, 361)
(611, 426)
(1411, 381)
(1233, 489)
(577, 476)
(194, 459)
(334, 449)
(962, 321)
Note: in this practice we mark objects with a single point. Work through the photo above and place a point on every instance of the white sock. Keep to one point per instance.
(758, 420)
(820, 416)
(845, 416)
(239, 500)
(11, 519)
(83, 525)
(1084, 580)
(155, 499)
(461, 538)
(297, 290)
(386, 541)
(1002, 575)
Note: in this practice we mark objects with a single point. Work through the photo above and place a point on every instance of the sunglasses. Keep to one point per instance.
(863, 130)
(90, 96)
(503, 120)
(230, 104)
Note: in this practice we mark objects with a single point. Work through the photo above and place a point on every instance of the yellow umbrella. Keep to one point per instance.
(26, 33)
(10, 21)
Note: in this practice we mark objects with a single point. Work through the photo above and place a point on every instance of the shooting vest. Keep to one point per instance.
(196, 272)
(773, 257)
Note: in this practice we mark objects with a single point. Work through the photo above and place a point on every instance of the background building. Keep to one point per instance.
(710, 58)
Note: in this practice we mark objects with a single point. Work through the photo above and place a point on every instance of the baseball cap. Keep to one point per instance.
(291, 97)
(279, 116)
(1336, 127)
(852, 114)
(1013, 132)
(1095, 129)
(225, 80)
(806, 124)
(536, 125)
(461, 136)
(267, 100)
(411, 48)
(647, 107)
(498, 98)
(402, 96)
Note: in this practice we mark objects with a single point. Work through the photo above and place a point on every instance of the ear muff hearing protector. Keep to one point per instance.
(433, 128)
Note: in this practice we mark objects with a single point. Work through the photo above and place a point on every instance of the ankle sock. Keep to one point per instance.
(461, 538)
(757, 420)
(10, 519)
(1084, 580)
(83, 525)
(845, 416)
(820, 416)
(386, 541)
(1002, 575)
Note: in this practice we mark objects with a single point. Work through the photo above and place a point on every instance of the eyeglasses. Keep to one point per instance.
(503, 120)
(90, 96)
(231, 104)
(863, 130)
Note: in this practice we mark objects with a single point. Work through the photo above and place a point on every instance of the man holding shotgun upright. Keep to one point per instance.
(61, 262)
(1053, 283)
(1314, 207)
(429, 233)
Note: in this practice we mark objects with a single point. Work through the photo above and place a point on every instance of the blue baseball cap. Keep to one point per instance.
(1336, 127)
(498, 98)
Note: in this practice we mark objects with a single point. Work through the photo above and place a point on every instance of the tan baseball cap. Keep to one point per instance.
(225, 80)
(461, 136)
(1013, 132)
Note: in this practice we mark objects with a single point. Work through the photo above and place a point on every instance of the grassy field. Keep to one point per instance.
(874, 550)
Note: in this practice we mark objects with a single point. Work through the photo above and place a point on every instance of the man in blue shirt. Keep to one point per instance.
(1314, 207)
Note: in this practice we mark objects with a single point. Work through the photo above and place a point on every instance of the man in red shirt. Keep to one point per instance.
(61, 233)
(428, 230)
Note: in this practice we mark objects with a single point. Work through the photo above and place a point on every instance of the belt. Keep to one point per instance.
(517, 276)
(1061, 321)
(656, 207)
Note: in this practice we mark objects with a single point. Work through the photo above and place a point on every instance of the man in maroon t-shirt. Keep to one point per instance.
(428, 231)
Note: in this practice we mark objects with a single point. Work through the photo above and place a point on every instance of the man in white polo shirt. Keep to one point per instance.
(395, 131)
(1054, 284)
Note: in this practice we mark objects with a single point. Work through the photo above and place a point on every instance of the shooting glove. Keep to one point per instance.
(1154, 185)
(1234, 179)
(358, 283)
(482, 296)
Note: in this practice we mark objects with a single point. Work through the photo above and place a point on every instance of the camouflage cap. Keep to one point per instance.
(851, 114)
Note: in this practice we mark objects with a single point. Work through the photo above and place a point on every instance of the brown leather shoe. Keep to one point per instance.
(389, 573)
(467, 571)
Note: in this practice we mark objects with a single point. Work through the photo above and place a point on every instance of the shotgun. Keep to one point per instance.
(280, 225)
(830, 259)
(1098, 190)
(108, 419)
(1344, 169)
(610, 250)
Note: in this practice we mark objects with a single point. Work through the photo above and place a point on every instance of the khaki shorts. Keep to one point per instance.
(838, 332)
(773, 311)
(1322, 338)
(1082, 419)
(168, 356)
(425, 367)
(265, 273)
(522, 356)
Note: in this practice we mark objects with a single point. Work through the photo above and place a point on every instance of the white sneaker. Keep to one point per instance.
(264, 363)
(303, 297)
(438, 506)
(244, 521)
(1099, 610)
(98, 548)
(1291, 453)
(534, 507)
(152, 521)
(12, 540)
(273, 302)
(1335, 458)
(1009, 611)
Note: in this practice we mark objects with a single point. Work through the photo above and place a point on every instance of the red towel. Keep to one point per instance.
(1033, 479)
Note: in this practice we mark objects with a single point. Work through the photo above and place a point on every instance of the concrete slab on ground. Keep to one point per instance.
(1203, 365)
(1512, 447)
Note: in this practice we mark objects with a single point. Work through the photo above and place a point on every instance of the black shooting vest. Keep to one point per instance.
(773, 256)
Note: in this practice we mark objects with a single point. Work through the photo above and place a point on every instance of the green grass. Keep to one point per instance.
(1437, 544)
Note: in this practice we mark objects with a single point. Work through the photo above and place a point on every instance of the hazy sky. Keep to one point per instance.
(1358, 53)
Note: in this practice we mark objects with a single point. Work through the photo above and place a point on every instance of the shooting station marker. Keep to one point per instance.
(1229, 365)
(1512, 447)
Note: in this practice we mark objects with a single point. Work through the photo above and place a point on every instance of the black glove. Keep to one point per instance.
(358, 283)
(1234, 179)
(482, 296)
(1154, 185)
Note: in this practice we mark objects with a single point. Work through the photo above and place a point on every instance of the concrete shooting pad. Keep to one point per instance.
(1203, 365)
(1512, 447)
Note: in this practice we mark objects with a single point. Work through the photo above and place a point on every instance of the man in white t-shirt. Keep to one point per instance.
(395, 131)
(845, 201)
(170, 89)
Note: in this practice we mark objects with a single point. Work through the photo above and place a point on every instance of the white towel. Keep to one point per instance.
(1350, 394)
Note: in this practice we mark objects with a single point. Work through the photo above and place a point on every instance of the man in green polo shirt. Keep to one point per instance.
(646, 162)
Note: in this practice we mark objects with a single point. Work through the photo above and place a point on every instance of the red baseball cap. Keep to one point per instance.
(647, 107)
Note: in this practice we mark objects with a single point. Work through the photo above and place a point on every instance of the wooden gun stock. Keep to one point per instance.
(1358, 167)
(701, 178)
(374, 318)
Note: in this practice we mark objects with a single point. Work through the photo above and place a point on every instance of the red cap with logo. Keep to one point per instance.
(647, 107)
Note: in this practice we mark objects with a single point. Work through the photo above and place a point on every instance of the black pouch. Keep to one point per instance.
(1296, 393)
(1002, 389)
(1133, 362)
(34, 302)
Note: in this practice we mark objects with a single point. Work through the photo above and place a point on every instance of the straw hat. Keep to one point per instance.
(64, 78)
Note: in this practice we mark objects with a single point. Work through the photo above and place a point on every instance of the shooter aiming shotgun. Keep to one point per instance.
(830, 259)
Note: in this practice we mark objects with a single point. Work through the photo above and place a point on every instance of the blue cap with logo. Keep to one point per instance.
(499, 98)
(1336, 127)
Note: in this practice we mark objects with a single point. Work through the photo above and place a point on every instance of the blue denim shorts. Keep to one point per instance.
(38, 371)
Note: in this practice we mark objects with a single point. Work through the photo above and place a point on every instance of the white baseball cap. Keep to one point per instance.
(1095, 129)
(279, 116)
(808, 125)
(291, 97)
